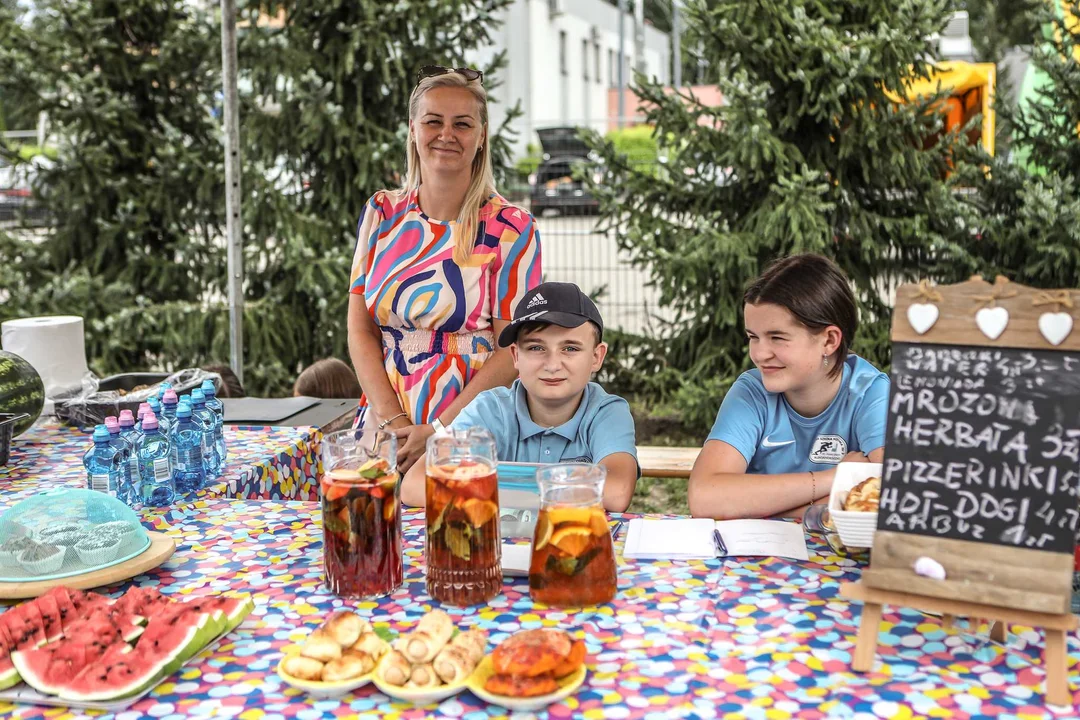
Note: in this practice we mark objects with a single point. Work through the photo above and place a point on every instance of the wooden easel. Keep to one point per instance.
(1001, 582)
(1055, 658)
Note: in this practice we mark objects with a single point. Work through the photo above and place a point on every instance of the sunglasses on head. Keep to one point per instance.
(436, 70)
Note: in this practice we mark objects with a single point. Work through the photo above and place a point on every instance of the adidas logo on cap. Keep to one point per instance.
(537, 300)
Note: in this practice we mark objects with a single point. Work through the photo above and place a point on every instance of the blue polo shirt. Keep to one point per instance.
(601, 426)
(775, 439)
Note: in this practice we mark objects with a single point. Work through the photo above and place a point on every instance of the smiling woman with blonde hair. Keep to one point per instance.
(439, 265)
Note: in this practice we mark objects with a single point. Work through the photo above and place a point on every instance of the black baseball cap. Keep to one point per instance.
(554, 303)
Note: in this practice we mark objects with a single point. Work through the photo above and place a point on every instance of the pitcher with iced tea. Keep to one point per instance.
(463, 547)
(573, 558)
(361, 489)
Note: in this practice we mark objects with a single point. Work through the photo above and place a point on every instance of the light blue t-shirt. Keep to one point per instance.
(775, 439)
(601, 426)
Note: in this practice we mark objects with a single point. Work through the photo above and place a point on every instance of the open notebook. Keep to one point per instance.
(692, 539)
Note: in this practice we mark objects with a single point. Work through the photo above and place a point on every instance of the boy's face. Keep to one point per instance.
(555, 363)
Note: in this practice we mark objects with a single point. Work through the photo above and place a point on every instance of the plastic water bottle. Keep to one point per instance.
(219, 410)
(164, 425)
(187, 441)
(123, 449)
(162, 389)
(143, 409)
(167, 416)
(155, 465)
(129, 432)
(207, 421)
(102, 465)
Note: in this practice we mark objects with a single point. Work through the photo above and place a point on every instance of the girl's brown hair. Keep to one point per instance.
(328, 378)
(816, 291)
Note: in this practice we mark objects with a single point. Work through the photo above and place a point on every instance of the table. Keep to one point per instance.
(766, 639)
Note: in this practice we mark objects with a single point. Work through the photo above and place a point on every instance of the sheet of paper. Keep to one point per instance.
(670, 539)
(763, 538)
(516, 559)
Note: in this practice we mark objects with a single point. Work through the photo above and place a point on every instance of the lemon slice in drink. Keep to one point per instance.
(543, 531)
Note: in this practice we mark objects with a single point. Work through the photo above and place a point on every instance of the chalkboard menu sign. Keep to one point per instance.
(983, 444)
(981, 472)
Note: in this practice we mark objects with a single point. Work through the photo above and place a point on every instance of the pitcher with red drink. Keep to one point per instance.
(463, 550)
(361, 514)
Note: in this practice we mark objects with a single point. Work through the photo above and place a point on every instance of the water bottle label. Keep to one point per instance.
(162, 472)
(101, 483)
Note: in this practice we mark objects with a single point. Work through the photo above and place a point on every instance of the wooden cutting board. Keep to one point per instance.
(161, 549)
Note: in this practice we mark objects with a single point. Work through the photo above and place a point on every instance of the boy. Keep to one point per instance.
(553, 413)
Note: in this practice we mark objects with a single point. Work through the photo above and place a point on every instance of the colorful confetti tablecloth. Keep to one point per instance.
(765, 639)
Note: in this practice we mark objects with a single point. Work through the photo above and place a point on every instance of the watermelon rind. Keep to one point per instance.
(9, 676)
(21, 390)
(152, 668)
(239, 613)
(24, 662)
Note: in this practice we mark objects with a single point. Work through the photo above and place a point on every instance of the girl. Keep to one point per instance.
(808, 405)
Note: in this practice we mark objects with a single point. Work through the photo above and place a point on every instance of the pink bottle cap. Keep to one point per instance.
(149, 421)
(169, 398)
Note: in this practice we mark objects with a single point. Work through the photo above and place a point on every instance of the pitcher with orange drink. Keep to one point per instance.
(463, 546)
(573, 558)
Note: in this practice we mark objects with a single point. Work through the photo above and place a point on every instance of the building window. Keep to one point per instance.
(611, 68)
(562, 53)
(585, 59)
(596, 62)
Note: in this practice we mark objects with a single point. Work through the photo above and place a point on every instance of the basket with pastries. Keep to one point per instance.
(432, 662)
(853, 502)
(336, 658)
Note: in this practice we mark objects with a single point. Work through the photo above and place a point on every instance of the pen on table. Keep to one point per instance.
(615, 529)
(718, 540)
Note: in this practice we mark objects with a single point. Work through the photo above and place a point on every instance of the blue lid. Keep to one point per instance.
(183, 410)
(155, 404)
(208, 388)
(197, 397)
(101, 434)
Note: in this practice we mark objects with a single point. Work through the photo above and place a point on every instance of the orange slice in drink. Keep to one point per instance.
(572, 540)
(543, 531)
(479, 511)
(389, 509)
(598, 522)
(573, 515)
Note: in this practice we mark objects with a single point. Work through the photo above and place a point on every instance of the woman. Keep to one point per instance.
(438, 268)
(807, 406)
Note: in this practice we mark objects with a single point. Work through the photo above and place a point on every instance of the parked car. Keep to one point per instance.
(16, 199)
(554, 185)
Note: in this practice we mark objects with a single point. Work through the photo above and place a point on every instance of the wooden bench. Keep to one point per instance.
(666, 462)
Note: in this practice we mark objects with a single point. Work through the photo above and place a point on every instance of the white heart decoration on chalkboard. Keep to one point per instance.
(1055, 327)
(992, 321)
(922, 316)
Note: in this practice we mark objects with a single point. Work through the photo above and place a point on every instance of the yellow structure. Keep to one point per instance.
(970, 88)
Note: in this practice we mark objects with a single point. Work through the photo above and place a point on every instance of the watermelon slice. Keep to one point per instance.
(122, 671)
(50, 618)
(24, 626)
(143, 601)
(47, 669)
(180, 636)
(8, 674)
(68, 613)
(235, 609)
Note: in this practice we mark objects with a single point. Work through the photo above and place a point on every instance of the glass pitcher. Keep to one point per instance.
(463, 550)
(361, 488)
(573, 558)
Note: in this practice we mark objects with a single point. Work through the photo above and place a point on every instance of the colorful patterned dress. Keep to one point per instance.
(436, 316)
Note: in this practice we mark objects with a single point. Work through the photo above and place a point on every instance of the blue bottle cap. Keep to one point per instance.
(154, 404)
(208, 388)
(197, 397)
(183, 410)
(101, 434)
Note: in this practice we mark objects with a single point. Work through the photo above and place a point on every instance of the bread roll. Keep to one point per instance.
(301, 667)
(423, 676)
(320, 646)
(371, 644)
(346, 667)
(395, 669)
(459, 658)
(346, 627)
(431, 634)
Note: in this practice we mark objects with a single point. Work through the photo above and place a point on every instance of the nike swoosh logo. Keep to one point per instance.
(768, 443)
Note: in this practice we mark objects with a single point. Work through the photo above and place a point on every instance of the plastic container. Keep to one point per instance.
(125, 452)
(189, 474)
(101, 463)
(65, 532)
(205, 418)
(856, 529)
(219, 412)
(156, 472)
(108, 396)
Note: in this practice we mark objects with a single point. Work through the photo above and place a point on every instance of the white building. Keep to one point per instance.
(562, 60)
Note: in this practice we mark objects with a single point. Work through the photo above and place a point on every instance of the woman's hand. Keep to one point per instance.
(412, 443)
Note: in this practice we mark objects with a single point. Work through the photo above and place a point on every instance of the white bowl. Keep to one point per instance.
(856, 529)
(319, 689)
(567, 686)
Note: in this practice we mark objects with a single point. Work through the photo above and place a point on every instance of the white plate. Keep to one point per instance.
(567, 687)
(418, 696)
(320, 689)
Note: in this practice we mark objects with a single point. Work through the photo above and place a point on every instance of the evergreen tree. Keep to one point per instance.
(1028, 205)
(809, 152)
